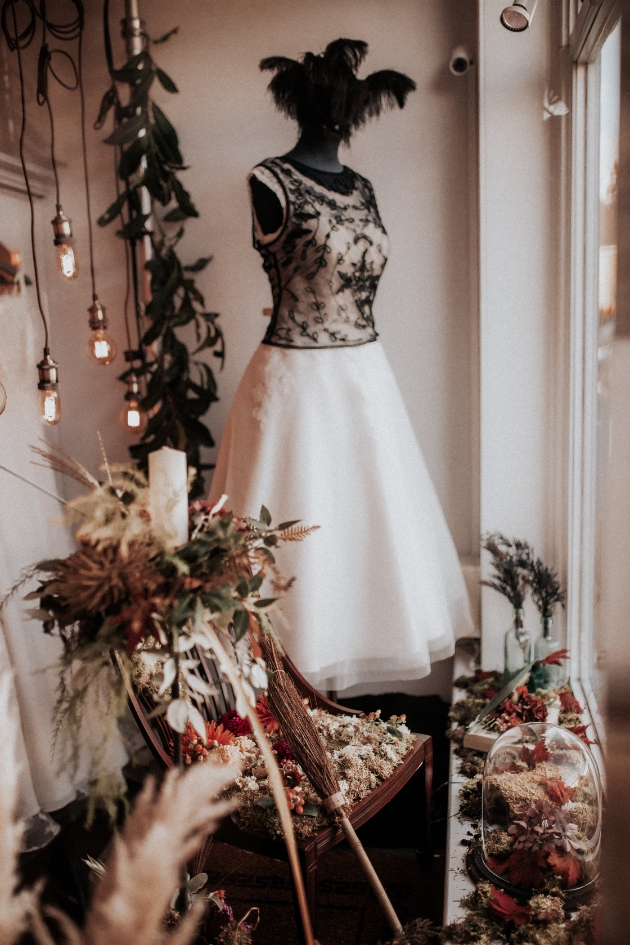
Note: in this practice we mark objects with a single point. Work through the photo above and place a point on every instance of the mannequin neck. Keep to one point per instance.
(318, 148)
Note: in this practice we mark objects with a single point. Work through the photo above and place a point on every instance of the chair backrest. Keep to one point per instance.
(156, 730)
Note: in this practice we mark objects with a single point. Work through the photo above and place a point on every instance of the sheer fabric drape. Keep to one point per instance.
(30, 531)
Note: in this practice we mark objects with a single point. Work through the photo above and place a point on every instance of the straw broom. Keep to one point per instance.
(299, 728)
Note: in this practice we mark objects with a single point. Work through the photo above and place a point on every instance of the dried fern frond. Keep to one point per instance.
(165, 830)
(59, 460)
(14, 907)
(297, 532)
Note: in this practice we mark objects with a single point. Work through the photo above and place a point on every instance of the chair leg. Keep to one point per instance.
(309, 871)
(308, 865)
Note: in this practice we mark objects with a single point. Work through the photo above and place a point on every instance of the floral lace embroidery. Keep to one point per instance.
(325, 264)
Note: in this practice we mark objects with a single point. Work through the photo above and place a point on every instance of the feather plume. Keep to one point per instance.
(387, 89)
(352, 52)
(14, 907)
(165, 830)
(322, 90)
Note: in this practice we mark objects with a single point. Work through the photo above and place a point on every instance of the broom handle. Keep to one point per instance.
(370, 872)
(275, 779)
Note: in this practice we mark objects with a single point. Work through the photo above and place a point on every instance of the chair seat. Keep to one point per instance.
(157, 734)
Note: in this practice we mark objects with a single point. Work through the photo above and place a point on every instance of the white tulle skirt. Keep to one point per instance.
(324, 436)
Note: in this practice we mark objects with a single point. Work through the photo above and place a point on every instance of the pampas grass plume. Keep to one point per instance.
(166, 828)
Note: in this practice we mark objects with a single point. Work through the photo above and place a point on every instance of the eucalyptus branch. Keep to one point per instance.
(179, 388)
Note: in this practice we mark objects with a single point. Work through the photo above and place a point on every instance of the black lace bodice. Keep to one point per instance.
(325, 262)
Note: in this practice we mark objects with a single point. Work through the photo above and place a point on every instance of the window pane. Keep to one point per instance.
(609, 116)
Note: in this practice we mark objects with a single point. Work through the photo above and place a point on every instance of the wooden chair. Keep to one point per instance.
(158, 733)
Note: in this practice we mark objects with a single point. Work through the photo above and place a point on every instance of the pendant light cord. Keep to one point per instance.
(45, 66)
(17, 46)
(85, 168)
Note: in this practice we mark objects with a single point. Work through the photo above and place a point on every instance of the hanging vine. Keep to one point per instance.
(179, 389)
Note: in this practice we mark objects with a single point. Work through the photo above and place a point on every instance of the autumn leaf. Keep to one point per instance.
(536, 755)
(524, 868)
(508, 908)
(566, 865)
(557, 791)
(569, 703)
(580, 731)
(554, 658)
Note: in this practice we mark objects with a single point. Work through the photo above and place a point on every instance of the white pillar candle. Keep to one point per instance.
(168, 491)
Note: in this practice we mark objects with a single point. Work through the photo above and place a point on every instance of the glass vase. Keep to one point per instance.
(546, 677)
(517, 647)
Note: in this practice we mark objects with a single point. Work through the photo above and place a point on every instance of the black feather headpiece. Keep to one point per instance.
(323, 90)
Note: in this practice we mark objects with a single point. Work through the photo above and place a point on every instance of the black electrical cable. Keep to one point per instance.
(85, 166)
(22, 40)
(117, 157)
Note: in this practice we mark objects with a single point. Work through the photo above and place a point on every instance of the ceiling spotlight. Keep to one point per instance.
(517, 17)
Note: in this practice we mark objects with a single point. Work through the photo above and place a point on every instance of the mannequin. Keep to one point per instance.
(318, 430)
(317, 148)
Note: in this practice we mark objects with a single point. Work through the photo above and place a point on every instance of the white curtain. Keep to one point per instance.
(30, 531)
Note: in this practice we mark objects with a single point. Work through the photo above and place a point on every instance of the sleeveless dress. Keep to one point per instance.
(318, 431)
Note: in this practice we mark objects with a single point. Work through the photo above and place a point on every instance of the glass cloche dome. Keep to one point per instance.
(541, 825)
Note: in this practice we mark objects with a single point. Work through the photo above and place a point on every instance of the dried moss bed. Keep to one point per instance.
(545, 920)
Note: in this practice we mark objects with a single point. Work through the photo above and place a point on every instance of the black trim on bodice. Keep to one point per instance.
(341, 182)
(325, 263)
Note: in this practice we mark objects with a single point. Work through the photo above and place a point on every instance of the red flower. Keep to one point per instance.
(566, 865)
(266, 716)
(580, 731)
(554, 658)
(525, 868)
(557, 791)
(193, 748)
(536, 755)
(234, 723)
(569, 703)
(282, 751)
(508, 908)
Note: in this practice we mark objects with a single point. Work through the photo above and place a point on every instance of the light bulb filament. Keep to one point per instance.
(67, 261)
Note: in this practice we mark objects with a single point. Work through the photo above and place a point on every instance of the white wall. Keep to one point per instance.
(520, 304)
(416, 159)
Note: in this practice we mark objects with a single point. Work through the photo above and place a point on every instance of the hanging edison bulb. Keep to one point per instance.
(49, 400)
(64, 245)
(133, 418)
(101, 347)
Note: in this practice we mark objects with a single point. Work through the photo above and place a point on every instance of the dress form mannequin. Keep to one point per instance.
(318, 430)
(318, 148)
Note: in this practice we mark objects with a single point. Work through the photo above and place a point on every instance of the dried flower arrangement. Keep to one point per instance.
(553, 819)
(547, 591)
(126, 590)
(364, 753)
(510, 560)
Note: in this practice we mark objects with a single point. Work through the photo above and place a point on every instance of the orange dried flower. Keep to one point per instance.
(266, 716)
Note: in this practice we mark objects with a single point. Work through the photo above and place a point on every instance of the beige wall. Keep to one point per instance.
(416, 159)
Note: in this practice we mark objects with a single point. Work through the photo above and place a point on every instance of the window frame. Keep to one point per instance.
(592, 26)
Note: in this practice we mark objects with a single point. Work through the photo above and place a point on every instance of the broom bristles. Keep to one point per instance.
(298, 727)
